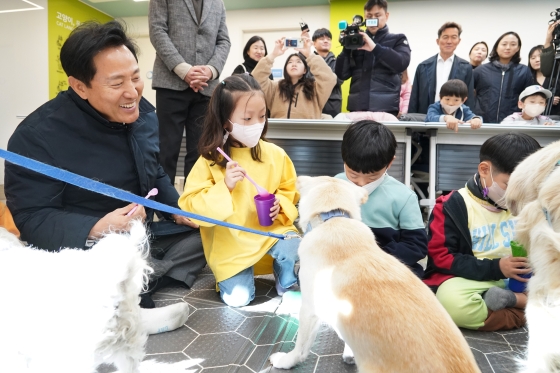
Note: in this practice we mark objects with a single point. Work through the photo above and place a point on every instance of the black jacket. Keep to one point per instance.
(450, 251)
(497, 90)
(425, 80)
(68, 133)
(547, 60)
(376, 80)
(334, 105)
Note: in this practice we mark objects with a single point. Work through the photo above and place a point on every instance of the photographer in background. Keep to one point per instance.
(548, 52)
(296, 96)
(375, 68)
(322, 41)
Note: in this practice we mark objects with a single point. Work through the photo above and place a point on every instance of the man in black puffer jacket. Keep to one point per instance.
(375, 68)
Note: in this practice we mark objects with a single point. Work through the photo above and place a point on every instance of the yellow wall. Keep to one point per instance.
(63, 17)
(343, 10)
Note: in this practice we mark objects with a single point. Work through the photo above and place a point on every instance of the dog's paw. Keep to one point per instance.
(282, 360)
(348, 355)
(349, 359)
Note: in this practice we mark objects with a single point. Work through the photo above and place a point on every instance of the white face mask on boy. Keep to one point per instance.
(450, 109)
(534, 110)
(495, 192)
(247, 135)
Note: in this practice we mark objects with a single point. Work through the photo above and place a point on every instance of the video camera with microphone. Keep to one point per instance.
(350, 37)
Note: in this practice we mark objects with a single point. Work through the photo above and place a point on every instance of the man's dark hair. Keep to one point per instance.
(447, 25)
(319, 33)
(86, 41)
(494, 53)
(534, 94)
(454, 87)
(380, 3)
(368, 146)
(506, 150)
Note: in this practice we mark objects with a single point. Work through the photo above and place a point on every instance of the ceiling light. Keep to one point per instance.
(35, 7)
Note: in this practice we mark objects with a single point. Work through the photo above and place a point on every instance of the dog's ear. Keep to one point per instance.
(302, 181)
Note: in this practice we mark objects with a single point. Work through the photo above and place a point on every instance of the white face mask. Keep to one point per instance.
(533, 110)
(495, 192)
(449, 109)
(247, 135)
(370, 187)
(374, 184)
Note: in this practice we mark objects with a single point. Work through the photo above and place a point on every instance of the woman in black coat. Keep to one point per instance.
(499, 83)
(254, 50)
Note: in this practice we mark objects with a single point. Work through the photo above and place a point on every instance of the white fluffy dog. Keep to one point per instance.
(390, 320)
(70, 311)
(533, 194)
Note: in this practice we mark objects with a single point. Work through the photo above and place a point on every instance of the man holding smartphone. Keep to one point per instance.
(375, 68)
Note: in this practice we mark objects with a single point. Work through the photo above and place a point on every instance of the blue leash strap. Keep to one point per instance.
(110, 191)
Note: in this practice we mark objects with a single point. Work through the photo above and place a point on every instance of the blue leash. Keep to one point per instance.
(110, 191)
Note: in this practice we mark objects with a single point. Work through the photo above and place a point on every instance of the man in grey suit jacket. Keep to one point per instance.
(432, 73)
(192, 44)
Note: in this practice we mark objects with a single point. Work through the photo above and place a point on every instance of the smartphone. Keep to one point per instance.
(372, 22)
(293, 43)
(303, 26)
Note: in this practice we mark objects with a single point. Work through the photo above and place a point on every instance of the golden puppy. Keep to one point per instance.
(533, 191)
(389, 319)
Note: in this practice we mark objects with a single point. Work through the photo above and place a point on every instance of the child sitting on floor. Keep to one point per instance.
(469, 250)
(236, 121)
(391, 211)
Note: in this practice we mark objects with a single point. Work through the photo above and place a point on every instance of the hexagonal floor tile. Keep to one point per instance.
(221, 349)
(327, 342)
(218, 320)
(174, 341)
(334, 363)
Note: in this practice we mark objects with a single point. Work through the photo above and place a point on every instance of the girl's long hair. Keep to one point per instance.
(287, 89)
(533, 50)
(221, 106)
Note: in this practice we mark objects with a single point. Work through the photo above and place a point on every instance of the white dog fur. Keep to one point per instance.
(386, 315)
(534, 186)
(70, 311)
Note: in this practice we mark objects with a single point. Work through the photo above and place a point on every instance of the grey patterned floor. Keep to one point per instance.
(221, 339)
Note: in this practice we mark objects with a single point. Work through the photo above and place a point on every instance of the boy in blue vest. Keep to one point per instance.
(469, 249)
(391, 211)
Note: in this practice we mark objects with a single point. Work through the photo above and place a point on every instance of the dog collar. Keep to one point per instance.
(324, 216)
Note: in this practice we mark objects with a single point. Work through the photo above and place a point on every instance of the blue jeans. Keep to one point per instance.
(239, 290)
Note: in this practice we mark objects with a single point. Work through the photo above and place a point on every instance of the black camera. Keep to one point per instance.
(350, 37)
(555, 17)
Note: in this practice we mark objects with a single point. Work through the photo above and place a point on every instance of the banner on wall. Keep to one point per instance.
(63, 17)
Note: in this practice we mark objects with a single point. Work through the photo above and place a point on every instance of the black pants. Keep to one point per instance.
(178, 111)
(179, 256)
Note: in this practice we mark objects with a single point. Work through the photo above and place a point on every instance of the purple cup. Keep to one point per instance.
(264, 204)
(518, 286)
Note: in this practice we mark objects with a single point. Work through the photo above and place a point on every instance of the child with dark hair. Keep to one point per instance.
(297, 96)
(469, 249)
(532, 102)
(236, 122)
(391, 211)
(451, 108)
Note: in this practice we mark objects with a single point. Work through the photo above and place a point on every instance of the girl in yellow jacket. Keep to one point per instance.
(236, 121)
(297, 96)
